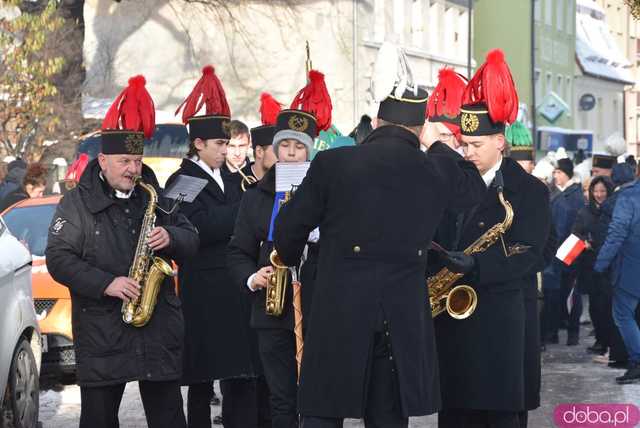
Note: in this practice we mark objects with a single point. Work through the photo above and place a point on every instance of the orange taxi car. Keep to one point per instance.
(28, 220)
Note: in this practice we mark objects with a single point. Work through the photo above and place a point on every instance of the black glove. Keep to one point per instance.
(459, 262)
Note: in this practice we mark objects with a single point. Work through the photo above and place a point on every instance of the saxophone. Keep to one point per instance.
(278, 281)
(148, 270)
(461, 301)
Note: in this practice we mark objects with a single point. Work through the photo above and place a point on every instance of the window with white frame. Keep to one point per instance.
(559, 85)
(548, 12)
(571, 17)
(560, 5)
(537, 13)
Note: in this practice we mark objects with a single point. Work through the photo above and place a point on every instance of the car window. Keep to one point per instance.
(31, 225)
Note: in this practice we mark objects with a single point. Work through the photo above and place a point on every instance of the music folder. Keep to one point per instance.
(185, 188)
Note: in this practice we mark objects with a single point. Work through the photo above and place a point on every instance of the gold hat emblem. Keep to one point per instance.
(134, 143)
(298, 123)
(469, 122)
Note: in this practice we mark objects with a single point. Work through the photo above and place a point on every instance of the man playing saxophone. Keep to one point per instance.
(93, 240)
(482, 357)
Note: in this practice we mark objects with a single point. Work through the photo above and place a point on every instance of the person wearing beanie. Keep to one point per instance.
(293, 132)
(497, 386)
(93, 238)
(219, 344)
(369, 349)
(560, 280)
(563, 173)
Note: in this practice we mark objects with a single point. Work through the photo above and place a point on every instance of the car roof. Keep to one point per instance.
(97, 131)
(33, 202)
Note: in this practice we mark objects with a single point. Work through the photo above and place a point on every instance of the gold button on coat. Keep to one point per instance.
(356, 249)
(481, 224)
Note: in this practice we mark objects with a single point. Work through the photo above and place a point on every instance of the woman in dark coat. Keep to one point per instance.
(589, 282)
(33, 185)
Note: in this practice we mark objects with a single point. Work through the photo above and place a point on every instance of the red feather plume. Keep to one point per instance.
(494, 85)
(314, 98)
(208, 92)
(133, 109)
(269, 109)
(446, 98)
(77, 168)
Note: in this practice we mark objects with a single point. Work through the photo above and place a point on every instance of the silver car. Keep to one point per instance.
(20, 343)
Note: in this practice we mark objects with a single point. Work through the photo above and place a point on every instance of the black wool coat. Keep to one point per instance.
(92, 240)
(482, 359)
(378, 205)
(249, 251)
(218, 341)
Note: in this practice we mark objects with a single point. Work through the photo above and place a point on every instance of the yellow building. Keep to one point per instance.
(626, 32)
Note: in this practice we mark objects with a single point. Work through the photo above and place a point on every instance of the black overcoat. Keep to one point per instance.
(92, 240)
(218, 341)
(482, 357)
(249, 251)
(378, 205)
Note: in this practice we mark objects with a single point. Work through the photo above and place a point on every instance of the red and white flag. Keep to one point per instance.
(570, 249)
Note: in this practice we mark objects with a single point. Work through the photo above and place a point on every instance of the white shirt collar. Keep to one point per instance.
(214, 173)
(491, 174)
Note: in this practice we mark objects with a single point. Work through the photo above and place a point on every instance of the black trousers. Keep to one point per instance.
(162, 404)
(466, 418)
(244, 404)
(277, 348)
(383, 397)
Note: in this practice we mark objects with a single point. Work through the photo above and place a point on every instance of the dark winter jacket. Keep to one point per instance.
(378, 205)
(621, 250)
(16, 195)
(218, 341)
(92, 240)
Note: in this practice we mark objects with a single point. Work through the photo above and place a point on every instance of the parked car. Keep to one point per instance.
(163, 152)
(28, 220)
(20, 345)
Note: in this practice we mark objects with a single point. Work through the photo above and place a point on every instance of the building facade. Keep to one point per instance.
(259, 46)
(625, 30)
(602, 74)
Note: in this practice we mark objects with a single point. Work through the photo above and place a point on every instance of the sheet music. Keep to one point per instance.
(186, 188)
(290, 174)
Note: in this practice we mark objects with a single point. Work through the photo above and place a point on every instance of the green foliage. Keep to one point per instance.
(634, 7)
(28, 66)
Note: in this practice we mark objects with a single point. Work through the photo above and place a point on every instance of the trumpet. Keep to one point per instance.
(247, 180)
